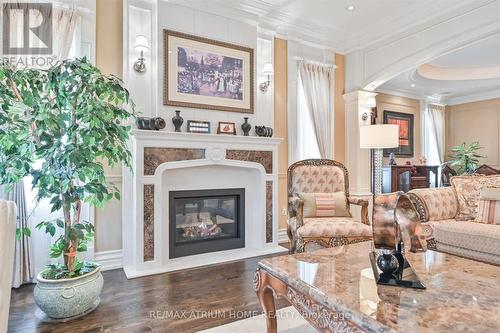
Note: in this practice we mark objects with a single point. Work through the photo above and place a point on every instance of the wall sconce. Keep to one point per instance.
(371, 103)
(141, 45)
(268, 71)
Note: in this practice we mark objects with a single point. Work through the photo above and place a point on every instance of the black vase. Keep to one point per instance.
(177, 120)
(246, 127)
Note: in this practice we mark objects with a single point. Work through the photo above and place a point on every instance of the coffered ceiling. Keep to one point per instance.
(471, 73)
(329, 22)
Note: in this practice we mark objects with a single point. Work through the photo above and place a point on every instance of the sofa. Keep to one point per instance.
(448, 215)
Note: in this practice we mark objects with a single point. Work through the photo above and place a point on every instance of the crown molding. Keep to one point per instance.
(400, 93)
(482, 96)
(264, 15)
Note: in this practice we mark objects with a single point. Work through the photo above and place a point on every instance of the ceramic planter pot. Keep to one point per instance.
(68, 298)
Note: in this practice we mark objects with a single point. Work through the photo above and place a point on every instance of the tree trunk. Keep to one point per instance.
(70, 253)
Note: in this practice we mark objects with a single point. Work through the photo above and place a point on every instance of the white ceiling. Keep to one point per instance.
(328, 23)
(480, 56)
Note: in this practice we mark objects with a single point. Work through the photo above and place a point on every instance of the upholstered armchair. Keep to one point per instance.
(322, 176)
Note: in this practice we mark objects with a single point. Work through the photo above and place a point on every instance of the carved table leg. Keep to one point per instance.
(267, 288)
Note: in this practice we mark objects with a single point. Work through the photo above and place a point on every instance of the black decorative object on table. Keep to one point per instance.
(388, 263)
(264, 131)
(177, 120)
(391, 232)
(145, 123)
(246, 127)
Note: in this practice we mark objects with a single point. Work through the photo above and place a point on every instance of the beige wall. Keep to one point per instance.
(406, 105)
(477, 121)
(109, 48)
(281, 121)
(109, 36)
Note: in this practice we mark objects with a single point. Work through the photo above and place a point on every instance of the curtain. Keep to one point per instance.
(434, 133)
(64, 23)
(23, 265)
(316, 83)
(306, 143)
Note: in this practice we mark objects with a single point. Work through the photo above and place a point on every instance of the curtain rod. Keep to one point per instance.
(315, 62)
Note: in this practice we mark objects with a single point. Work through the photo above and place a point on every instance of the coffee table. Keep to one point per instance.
(335, 291)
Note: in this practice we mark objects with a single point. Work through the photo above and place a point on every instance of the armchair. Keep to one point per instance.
(309, 233)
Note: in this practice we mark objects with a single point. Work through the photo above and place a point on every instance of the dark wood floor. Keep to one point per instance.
(184, 301)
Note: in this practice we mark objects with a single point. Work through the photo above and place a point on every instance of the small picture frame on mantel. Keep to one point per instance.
(198, 126)
(225, 127)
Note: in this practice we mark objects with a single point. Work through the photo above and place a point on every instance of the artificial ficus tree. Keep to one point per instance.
(58, 125)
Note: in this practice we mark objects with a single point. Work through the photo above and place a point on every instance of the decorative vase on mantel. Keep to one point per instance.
(246, 127)
(177, 120)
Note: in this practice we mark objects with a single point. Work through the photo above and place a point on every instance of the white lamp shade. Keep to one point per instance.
(141, 43)
(268, 69)
(379, 136)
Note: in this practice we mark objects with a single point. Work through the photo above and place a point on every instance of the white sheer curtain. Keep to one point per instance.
(434, 133)
(64, 23)
(314, 110)
(306, 141)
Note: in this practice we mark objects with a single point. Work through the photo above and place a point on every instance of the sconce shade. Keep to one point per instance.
(141, 43)
(371, 102)
(379, 136)
(268, 69)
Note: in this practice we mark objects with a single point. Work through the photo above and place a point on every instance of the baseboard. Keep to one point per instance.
(109, 259)
(282, 236)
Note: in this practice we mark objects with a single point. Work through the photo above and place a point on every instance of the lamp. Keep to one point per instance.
(141, 45)
(268, 70)
(377, 137)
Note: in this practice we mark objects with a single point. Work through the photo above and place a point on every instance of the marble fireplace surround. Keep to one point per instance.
(168, 161)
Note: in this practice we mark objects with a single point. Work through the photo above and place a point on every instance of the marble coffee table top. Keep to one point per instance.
(462, 295)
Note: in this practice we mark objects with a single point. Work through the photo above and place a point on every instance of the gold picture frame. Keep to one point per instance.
(207, 74)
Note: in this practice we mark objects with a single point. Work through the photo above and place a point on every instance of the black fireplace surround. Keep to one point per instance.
(202, 221)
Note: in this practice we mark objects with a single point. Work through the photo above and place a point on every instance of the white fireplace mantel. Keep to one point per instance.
(145, 193)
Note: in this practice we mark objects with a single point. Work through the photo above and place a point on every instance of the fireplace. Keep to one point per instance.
(202, 221)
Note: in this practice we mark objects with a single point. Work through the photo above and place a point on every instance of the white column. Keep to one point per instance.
(357, 160)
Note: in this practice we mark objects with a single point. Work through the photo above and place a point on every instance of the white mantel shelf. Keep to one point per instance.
(206, 138)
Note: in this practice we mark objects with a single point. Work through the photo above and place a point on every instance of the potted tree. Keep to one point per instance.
(59, 125)
(464, 158)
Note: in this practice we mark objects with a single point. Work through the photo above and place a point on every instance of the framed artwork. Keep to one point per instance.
(197, 126)
(207, 74)
(226, 128)
(406, 135)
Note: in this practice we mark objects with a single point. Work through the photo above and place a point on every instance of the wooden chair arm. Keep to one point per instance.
(364, 208)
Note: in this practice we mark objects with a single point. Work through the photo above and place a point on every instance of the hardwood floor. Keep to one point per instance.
(184, 301)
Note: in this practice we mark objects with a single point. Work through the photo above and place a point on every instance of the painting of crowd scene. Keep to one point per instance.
(208, 74)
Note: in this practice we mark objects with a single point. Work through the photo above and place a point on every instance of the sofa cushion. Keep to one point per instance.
(439, 203)
(333, 227)
(467, 237)
(325, 204)
(468, 189)
(488, 209)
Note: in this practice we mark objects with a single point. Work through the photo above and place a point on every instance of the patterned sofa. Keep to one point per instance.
(448, 214)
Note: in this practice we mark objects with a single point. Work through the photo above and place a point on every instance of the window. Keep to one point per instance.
(307, 143)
